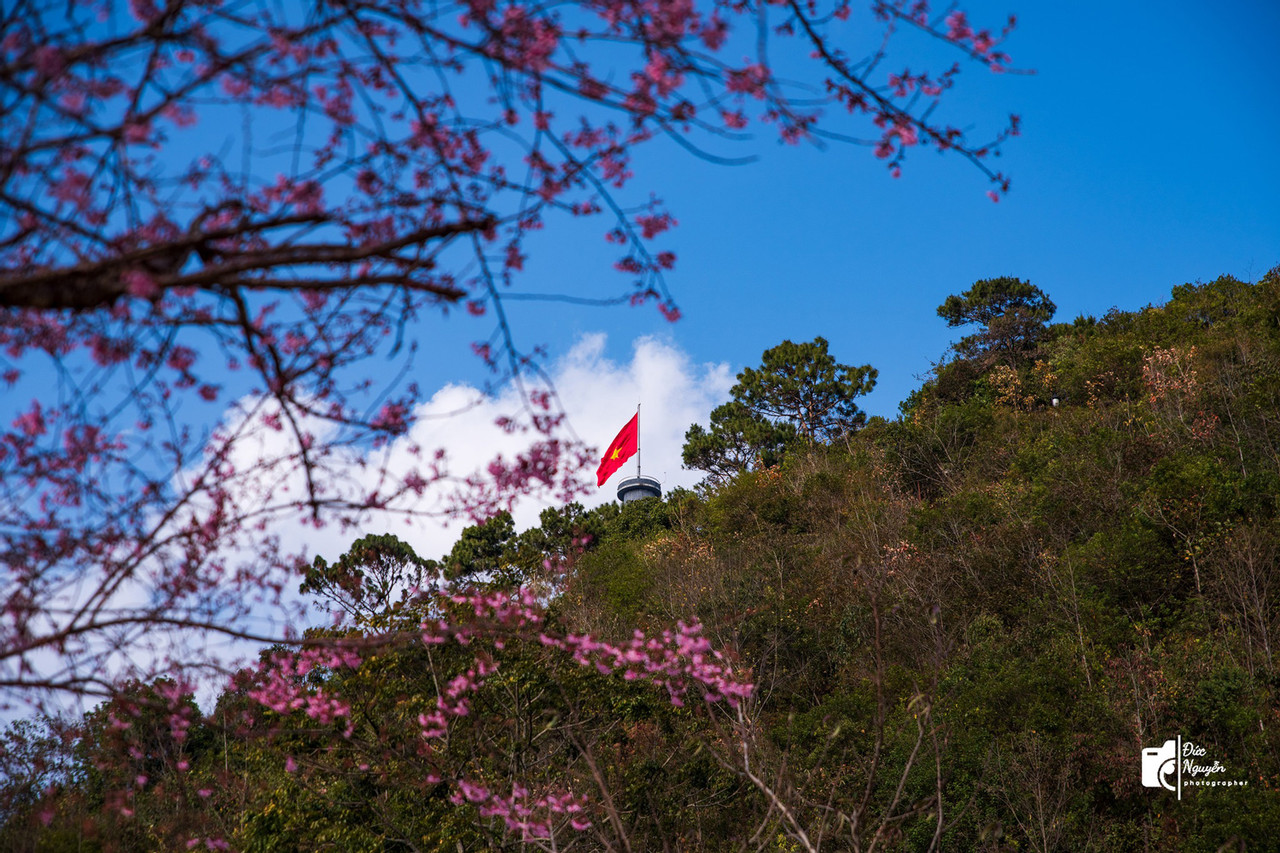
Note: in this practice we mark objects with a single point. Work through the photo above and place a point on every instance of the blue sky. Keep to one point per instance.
(1148, 159)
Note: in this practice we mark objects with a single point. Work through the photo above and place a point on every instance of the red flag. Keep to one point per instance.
(622, 448)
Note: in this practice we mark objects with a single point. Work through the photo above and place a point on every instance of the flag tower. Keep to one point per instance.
(625, 445)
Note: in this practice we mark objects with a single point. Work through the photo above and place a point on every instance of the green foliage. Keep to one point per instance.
(482, 551)
(370, 576)
(984, 609)
(1012, 313)
(739, 439)
(989, 299)
(614, 576)
(638, 520)
(800, 395)
(803, 385)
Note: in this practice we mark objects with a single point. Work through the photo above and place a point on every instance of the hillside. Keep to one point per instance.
(963, 627)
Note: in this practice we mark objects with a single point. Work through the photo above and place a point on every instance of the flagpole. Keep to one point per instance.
(637, 441)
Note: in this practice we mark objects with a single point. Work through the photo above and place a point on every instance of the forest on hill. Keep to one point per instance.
(958, 629)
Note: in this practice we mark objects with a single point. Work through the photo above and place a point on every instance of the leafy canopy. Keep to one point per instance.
(738, 438)
(799, 394)
(366, 579)
(991, 298)
(802, 384)
(1013, 315)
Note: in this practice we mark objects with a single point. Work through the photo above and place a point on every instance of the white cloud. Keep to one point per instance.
(598, 396)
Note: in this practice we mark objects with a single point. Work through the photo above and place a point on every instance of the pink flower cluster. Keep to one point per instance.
(901, 131)
(527, 41)
(652, 225)
(174, 692)
(493, 610)
(283, 689)
(955, 27)
(549, 465)
(670, 661)
(519, 812)
(455, 702)
(392, 418)
(750, 80)
(980, 42)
